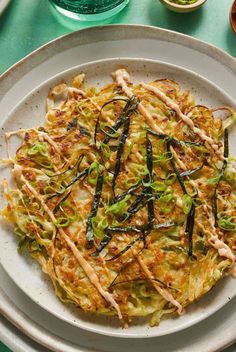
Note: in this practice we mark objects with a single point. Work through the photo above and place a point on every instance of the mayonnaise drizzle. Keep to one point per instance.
(222, 248)
(122, 78)
(46, 137)
(186, 118)
(164, 293)
(89, 271)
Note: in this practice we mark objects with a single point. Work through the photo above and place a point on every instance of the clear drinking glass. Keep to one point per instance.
(89, 10)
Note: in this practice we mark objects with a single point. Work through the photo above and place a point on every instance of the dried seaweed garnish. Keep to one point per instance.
(144, 230)
(72, 124)
(93, 212)
(60, 201)
(104, 242)
(84, 131)
(140, 202)
(128, 110)
(174, 141)
(189, 229)
(77, 178)
(181, 182)
(118, 255)
(98, 119)
(126, 229)
(150, 204)
(221, 174)
(131, 190)
(76, 165)
(190, 172)
(120, 150)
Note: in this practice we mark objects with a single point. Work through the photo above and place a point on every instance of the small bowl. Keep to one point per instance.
(183, 8)
(232, 16)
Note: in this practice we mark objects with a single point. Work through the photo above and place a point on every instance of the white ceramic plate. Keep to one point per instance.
(214, 333)
(26, 274)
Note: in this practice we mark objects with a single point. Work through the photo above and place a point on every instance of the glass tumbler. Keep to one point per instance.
(89, 10)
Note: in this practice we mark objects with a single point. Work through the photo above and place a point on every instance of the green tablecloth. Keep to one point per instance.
(27, 24)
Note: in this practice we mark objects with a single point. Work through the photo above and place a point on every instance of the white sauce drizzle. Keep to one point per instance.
(164, 293)
(186, 118)
(89, 271)
(46, 137)
(222, 248)
(122, 78)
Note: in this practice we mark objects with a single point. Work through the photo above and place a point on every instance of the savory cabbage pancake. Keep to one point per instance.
(126, 196)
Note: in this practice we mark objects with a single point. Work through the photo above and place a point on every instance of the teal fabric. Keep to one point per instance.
(27, 24)
(3, 348)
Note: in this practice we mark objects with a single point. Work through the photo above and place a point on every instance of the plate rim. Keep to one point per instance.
(177, 37)
(102, 329)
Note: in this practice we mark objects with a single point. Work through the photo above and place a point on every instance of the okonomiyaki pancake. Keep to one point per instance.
(126, 196)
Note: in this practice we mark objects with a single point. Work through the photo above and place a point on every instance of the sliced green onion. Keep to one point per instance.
(38, 148)
(227, 223)
(158, 186)
(99, 226)
(170, 180)
(187, 203)
(118, 207)
(93, 172)
(69, 214)
(229, 121)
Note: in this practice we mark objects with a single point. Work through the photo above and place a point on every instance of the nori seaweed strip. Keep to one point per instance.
(84, 131)
(126, 229)
(77, 164)
(93, 212)
(120, 150)
(97, 122)
(72, 124)
(190, 172)
(124, 250)
(138, 204)
(221, 174)
(104, 242)
(164, 225)
(150, 204)
(61, 200)
(181, 182)
(83, 173)
(143, 228)
(118, 198)
(189, 229)
(173, 140)
(128, 110)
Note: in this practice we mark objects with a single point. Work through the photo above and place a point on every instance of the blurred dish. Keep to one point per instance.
(232, 17)
(183, 8)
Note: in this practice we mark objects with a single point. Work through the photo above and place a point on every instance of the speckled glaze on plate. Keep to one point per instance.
(25, 272)
(96, 43)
